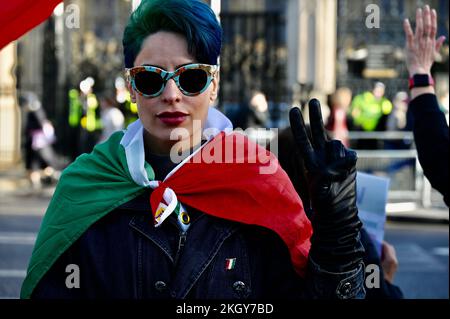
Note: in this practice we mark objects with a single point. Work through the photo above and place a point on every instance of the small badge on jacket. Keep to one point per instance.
(230, 263)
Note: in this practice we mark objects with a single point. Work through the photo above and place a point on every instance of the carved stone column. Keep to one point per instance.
(312, 44)
(9, 112)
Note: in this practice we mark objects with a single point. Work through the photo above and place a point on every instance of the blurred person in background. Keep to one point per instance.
(111, 117)
(369, 111)
(339, 109)
(126, 105)
(430, 128)
(370, 108)
(90, 121)
(258, 110)
(399, 121)
(254, 112)
(74, 119)
(39, 137)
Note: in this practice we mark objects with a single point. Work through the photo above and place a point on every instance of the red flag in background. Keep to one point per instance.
(19, 16)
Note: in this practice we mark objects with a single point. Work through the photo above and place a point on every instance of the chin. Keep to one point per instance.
(164, 135)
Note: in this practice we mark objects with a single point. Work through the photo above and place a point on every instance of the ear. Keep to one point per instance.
(132, 92)
(215, 88)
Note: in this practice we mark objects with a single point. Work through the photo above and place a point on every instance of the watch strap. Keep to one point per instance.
(420, 80)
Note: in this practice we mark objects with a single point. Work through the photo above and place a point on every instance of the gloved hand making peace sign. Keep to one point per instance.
(331, 179)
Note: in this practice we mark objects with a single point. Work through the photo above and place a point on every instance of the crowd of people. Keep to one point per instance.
(344, 112)
(92, 119)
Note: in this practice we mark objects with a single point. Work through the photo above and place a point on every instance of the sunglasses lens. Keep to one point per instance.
(193, 80)
(148, 83)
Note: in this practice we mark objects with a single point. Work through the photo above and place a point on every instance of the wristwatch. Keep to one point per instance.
(420, 80)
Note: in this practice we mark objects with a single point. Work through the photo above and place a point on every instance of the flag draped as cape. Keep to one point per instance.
(243, 187)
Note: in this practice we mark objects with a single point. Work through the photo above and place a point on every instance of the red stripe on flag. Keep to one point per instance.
(19, 16)
(157, 197)
(238, 191)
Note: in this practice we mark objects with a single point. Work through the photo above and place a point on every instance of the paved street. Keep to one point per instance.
(422, 251)
(422, 248)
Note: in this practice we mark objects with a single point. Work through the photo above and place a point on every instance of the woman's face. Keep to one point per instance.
(172, 109)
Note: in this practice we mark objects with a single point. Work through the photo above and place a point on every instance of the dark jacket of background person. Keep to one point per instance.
(38, 150)
(431, 136)
(153, 263)
(292, 163)
(34, 123)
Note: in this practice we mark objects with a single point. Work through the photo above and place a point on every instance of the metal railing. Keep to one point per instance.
(408, 182)
(391, 135)
(418, 190)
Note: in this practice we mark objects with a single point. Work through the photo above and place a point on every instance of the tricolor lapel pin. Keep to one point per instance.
(230, 263)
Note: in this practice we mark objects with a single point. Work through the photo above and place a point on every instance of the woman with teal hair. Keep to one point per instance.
(179, 206)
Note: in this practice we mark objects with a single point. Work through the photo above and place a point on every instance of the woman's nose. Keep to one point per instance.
(171, 93)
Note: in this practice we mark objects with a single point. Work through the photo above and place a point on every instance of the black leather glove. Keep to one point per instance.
(331, 177)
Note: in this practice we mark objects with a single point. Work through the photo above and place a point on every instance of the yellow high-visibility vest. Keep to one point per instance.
(75, 108)
(367, 111)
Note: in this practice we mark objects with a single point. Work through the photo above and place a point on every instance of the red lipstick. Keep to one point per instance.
(172, 118)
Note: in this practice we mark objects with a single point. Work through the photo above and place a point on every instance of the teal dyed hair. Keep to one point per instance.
(193, 19)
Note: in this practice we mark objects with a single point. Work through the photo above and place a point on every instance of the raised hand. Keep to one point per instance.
(331, 177)
(327, 162)
(422, 46)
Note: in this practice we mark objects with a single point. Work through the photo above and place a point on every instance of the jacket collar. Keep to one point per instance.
(133, 143)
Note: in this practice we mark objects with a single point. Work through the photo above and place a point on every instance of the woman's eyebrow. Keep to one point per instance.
(158, 66)
(179, 66)
(155, 65)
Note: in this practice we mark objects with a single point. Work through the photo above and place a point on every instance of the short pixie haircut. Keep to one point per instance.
(193, 19)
